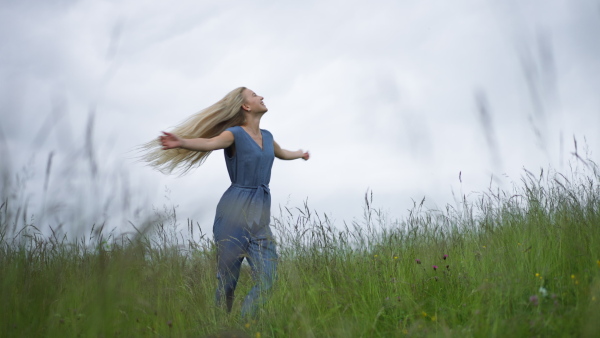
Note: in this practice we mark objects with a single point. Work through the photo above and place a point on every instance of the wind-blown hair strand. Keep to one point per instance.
(207, 123)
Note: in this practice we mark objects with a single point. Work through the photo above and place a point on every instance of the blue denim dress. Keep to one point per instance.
(241, 228)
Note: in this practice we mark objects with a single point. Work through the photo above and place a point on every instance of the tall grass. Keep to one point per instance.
(524, 262)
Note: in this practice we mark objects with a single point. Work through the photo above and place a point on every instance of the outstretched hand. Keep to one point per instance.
(170, 141)
(306, 156)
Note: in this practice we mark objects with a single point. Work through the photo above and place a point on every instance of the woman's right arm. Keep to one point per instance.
(221, 141)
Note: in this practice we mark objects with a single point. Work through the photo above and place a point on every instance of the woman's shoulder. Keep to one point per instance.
(266, 132)
(234, 129)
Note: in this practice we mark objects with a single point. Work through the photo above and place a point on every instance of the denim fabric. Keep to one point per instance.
(259, 250)
(241, 228)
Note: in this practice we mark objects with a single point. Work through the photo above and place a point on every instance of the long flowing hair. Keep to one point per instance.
(207, 123)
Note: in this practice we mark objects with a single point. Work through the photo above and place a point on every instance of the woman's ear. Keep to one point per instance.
(246, 107)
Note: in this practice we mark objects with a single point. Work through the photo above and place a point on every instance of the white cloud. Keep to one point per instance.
(382, 93)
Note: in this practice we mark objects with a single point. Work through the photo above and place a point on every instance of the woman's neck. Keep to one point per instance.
(252, 124)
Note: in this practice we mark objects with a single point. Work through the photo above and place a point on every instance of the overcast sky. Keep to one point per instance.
(396, 96)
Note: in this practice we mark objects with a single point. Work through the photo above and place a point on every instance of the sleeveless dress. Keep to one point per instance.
(247, 202)
(241, 227)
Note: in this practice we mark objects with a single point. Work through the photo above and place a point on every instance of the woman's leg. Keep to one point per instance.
(230, 254)
(262, 258)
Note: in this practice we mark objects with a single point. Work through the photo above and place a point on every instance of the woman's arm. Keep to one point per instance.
(283, 154)
(221, 141)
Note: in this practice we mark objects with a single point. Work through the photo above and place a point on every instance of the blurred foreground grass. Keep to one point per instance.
(518, 263)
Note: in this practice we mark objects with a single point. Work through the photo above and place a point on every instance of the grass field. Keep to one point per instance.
(517, 263)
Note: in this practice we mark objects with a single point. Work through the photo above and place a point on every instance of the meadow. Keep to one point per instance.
(523, 262)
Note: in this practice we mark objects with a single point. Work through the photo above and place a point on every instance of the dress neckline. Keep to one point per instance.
(254, 141)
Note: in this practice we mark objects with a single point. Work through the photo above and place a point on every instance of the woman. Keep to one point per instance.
(241, 227)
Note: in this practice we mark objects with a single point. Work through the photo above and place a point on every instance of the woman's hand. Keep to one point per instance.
(170, 141)
(283, 154)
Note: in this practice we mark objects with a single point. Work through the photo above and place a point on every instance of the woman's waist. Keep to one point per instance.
(253, 194)
(264, 186)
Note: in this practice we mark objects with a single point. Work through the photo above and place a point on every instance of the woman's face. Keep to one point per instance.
(253, 102)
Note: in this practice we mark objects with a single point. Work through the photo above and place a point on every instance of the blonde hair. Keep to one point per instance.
(207, 123)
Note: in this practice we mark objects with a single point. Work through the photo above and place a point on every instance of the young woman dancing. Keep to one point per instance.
(241, 227)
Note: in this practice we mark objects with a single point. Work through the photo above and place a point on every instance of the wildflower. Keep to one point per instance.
(375, 256)
(534, 300)
(435, 267)
(433, 318)
(424, 314)
(170, 323)
(543, 291)
(257, 334)
(395, 257)
(572, 276)
(537, 274)
(247, 325)
(483, 246)
(418, 261)
(598, 262)
(445, 256)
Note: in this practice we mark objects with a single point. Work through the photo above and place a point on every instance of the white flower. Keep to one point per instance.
(543, 291)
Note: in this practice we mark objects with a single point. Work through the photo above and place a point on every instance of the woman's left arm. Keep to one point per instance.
(284, 154)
